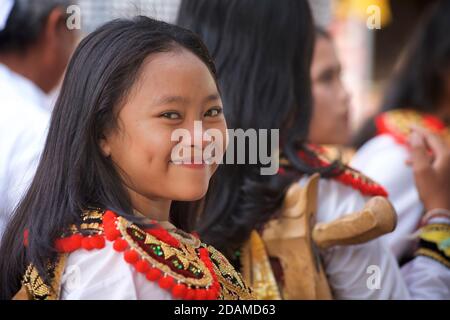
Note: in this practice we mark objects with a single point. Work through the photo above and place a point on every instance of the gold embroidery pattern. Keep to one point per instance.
(187, 259)
(433, 255)
(398, 123)
(257, 270)
(233, 286)
(36, 287)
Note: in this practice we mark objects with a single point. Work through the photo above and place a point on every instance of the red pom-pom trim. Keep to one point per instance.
(153, 274)
(97, 242)
(211, 294)
(166, 282)
(200, 294)
(86, 243)
(111, 233)
(190, 294)
(142, 266)
(131, 256)
(179, 291)
(120, 245)
(109, 216)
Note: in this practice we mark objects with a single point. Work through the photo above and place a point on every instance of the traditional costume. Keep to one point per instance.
(323, 244)
(109, 257)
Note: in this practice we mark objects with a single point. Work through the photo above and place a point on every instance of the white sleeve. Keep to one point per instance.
(383, 160)
(369, 270)
(21, 150)
(104, 275)
(427, 279)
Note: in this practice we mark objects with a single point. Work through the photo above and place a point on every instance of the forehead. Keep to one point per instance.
(324, 51)
(178, 71)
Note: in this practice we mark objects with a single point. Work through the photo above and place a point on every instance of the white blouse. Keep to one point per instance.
(104, 275)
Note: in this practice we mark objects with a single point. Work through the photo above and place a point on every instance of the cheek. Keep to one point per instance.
(320, 113)
(225, 138)
(142, 154)
(327, 111)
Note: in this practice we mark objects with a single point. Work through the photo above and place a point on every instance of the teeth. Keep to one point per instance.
(193, 161)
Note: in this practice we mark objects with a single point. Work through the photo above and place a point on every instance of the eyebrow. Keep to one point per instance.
(169, 99)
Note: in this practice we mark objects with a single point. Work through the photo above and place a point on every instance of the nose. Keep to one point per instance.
(344, 95)
(196, 136)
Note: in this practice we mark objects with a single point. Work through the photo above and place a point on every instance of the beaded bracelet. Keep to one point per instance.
(435, 213)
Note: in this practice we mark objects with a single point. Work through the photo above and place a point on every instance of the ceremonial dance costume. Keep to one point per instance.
(109, 257)
(346, 269)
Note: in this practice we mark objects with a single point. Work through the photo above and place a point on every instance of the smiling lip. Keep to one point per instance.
(191, 164)
(194, 165)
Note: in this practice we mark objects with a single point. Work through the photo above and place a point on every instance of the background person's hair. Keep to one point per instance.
(26, 21)
(419, 82)
(73, 174)
(263, 51)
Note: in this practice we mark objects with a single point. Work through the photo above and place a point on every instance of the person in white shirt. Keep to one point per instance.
(419, 95)
(35, 46)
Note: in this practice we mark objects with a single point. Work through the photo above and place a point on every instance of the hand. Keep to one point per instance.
(430, 160)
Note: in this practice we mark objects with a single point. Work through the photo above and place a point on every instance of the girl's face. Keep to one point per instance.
(174, 89)
(330, 121)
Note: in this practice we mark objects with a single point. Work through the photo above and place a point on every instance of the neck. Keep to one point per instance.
(25, 64)
(154, 208)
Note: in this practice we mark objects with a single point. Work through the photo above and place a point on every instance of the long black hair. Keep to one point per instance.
(263, 51)
(419, 82)
(73, 174)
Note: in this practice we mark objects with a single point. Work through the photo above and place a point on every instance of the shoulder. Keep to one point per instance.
(383, 158)
(381, 153)
(346, 175)
(335, 199)
(103, 274)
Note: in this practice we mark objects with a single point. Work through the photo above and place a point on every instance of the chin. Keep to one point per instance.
(191, 193)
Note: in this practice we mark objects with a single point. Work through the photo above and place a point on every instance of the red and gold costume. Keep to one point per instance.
(177, 261)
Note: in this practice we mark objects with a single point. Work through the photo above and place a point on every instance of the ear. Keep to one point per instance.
(53, 25)
(105, 146)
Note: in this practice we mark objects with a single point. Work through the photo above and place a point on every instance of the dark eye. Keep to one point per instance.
(171, 115)
(327, 77)
(213, 112)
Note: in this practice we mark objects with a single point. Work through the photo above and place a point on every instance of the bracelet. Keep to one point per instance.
(435, 213)
(434, 242)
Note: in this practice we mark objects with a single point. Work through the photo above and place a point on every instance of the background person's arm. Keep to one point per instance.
(429, 272)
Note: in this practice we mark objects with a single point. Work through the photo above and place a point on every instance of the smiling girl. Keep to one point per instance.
(96, 216)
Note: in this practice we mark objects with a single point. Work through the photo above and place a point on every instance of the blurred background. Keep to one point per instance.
(368, 56)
